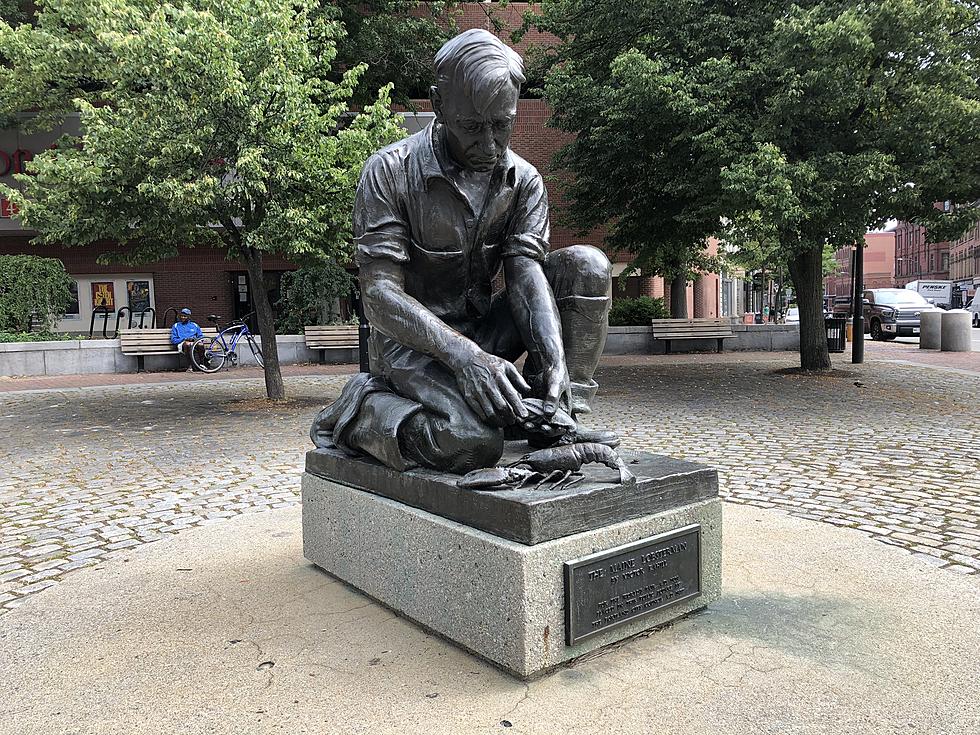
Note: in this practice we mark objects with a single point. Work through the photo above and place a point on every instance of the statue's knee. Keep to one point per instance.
(579, 270)
(474, 445)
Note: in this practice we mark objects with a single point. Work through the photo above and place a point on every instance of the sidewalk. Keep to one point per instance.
(894, 352)
(68, 382)
(909, 353)
(227, 629)
(63, 382)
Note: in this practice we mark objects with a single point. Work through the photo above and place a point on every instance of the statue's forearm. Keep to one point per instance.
(535, 312)
(408, 321)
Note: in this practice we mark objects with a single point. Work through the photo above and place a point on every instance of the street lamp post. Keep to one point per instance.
(857, 307)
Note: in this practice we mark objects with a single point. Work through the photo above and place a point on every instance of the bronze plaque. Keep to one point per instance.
(613, 587)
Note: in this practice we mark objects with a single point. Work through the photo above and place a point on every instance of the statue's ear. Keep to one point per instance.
(436, 99)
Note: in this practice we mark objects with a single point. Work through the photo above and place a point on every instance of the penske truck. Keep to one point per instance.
(939, 293)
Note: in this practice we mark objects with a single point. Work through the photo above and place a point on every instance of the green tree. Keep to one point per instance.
(308, 295)
(13, 11)
(34, 292)
(803, 124)
(397, 39)
(209, 123)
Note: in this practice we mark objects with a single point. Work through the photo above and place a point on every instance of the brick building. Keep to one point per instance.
(915, 258)
(207, 282)
(964, 264)
(879, 265)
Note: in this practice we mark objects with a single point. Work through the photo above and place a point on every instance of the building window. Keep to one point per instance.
(945, 266)
(416, 121)
(72, 311)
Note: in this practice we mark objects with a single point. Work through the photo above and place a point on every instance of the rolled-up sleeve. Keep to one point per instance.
(529, 229)
(380, 226)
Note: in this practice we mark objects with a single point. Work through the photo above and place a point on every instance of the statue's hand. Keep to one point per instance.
(557, 389)
(492, 387)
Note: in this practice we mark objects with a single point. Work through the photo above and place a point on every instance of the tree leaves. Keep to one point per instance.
(211, 122)
(806, 123)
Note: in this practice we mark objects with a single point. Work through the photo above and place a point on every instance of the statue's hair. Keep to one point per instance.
(478, 64)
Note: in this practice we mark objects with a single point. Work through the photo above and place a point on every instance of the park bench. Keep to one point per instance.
(331, 337)
(143, 342)
(672, 329)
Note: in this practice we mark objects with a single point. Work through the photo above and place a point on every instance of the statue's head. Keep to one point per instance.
(478, 82)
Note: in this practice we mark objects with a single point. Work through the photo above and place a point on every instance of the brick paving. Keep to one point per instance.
(907, 350)
(889, 449)
(48, 382)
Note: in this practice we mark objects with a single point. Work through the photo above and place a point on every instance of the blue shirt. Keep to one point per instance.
(179, 332)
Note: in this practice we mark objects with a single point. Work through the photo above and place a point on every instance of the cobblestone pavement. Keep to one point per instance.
(888, 449)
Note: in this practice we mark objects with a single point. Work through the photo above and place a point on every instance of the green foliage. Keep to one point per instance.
(397, 39)
(216, 126)
(829, 266)
(802, 124)
(13, 11)
(637, 312)
(208, 122)
(36, 337)
(33, 292)
(308, 296)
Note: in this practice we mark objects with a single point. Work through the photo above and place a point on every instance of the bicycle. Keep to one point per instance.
(217, 350)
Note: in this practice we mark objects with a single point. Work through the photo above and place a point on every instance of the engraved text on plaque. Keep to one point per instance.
(612, 587)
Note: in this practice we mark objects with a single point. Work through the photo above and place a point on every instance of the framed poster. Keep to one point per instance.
(103, 294)
(139, 295)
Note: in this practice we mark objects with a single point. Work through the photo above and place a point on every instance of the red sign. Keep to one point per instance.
(14, 163)
(103, 294)
(7, 208)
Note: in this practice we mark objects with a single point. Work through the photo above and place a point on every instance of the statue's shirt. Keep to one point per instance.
(409, 210)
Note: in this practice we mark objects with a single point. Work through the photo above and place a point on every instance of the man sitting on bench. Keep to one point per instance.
(183, 335)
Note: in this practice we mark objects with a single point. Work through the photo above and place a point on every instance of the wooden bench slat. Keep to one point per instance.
(675, 329)
(325, 337)
(151, 341)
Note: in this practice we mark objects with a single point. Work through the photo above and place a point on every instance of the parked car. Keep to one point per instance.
(974, 308)
(893, 312)
(792, 316)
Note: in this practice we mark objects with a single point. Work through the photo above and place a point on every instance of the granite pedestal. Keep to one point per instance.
(526, 579)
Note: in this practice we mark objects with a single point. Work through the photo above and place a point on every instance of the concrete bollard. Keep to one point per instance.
(957, 331)
(930, 330)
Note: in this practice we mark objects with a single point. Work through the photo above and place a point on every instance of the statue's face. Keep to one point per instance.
(477, 140)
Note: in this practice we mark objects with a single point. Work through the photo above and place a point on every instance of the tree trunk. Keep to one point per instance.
(678, 297)
(806, 270)
(274, 387)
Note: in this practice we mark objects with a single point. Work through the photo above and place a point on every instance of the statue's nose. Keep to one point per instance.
(489, 144)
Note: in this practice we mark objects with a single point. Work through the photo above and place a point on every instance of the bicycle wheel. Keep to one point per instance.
(214, 354)
(256, 351)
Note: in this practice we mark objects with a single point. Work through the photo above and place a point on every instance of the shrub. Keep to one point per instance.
(35, 336)
(637, 312)
(308, 296)
(33, 292)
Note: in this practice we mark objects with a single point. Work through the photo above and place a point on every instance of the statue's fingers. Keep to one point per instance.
(487, 409)
(502, 410)
(551, 397)
(512, 397)
(473, 400)
(516, 379)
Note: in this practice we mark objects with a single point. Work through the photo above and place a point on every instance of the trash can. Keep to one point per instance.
(836, 334)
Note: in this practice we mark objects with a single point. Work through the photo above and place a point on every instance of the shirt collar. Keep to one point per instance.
(433, 167)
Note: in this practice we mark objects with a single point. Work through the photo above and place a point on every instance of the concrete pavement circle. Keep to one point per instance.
(226, 629)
